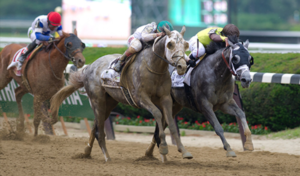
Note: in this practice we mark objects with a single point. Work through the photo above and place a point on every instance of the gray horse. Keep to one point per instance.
(212, 88)
(149, 84)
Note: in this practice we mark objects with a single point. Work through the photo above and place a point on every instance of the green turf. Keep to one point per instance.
(92, 54)
(286, 134)
(263, 62)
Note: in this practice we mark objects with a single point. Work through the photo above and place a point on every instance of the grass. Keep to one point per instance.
(13, 35)
(286, 134)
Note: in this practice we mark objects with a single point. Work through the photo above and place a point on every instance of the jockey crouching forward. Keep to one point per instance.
(40, 32)
(144, 33)
(204, 37)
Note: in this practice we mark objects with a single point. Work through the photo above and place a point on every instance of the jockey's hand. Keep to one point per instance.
(226, 41)
(159, 34)
(192, 63)
(45, 43)
(51, 39)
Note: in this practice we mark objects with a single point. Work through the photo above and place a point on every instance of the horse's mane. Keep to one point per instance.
(213, 46)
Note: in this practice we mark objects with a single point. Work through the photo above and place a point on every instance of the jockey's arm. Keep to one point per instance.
(38, 32)
(148, 34)
(217, 38)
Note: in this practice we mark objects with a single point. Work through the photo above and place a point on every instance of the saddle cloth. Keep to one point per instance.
(178, 80)
(15, 60)
(14, 63)
(110, 76)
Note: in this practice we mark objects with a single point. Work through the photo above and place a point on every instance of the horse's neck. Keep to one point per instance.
(220, 66)
(57, 60)
(156, 63)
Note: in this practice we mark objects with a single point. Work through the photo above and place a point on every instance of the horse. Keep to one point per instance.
(212, 87)
(44, 74)
(148, 82)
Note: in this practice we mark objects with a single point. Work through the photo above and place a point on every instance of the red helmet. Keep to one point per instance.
(54, 18)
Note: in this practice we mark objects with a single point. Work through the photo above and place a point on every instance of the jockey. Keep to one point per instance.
(204, 37)
(144, 33)
(40, 32)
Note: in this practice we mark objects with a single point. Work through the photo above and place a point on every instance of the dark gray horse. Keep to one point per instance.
(212, 87)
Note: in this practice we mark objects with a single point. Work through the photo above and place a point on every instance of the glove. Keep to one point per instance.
(192, 63)
(51, 39)
(192, 57)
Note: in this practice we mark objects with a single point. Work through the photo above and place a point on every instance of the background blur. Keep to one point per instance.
(117, 19)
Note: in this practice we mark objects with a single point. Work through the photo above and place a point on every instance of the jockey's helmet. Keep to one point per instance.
(231, 29)
(161, 25)
(54, 18)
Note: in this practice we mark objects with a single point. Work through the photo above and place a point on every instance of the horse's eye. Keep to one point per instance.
(236, 59)
(83, 45)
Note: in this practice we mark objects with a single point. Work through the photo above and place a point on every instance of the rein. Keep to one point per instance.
(227, 62)
(52, 68)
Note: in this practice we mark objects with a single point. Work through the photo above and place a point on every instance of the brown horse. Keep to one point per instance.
(44, 74)
(149, 84)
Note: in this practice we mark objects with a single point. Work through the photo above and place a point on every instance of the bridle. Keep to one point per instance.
(173, 64)
(227, 64)
(67, 56)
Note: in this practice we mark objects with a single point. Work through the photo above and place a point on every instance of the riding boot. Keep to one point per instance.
(30, 48)
(121, 61)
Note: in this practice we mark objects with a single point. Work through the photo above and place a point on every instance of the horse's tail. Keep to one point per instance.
(75, 82)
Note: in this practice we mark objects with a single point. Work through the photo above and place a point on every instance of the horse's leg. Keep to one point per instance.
(166, 107)
(148, 105)
(37, 104)
(232, 108)
(19, 93)
(155, 139)
(207, 111)
(112, 104)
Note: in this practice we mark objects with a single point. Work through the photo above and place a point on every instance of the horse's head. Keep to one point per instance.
(74, 48)
(175, 49)
(240, 60)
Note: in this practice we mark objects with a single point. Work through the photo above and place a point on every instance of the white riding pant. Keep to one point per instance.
(196, 52)
(134, 44)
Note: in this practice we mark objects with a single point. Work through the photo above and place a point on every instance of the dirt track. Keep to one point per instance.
(53, 156)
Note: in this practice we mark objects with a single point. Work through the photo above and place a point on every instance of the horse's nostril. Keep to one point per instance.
(243, 80)
(179, 66)
(80, 60)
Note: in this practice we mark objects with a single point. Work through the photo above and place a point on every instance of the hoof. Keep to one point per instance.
(163, 149)
(87, 150)
(148, 153)
(107, 160)
(187, 155)
(230, 154)
(248, 146)
(163, 158)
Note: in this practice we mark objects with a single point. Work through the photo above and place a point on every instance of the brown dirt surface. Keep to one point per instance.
(58, 155)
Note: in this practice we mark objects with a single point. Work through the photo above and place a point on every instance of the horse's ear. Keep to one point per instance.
(182, 30)
(75, 31)
(246, 44)
(186, 45)
(167, 31)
